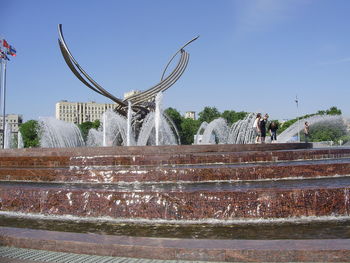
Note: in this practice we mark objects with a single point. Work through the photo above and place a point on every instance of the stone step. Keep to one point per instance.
(146, 150)
(186, 173)
(290, 250)
(173, 158)
(200, 201)
(210, 158)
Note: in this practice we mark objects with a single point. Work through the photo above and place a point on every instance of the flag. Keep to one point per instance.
(5, 44)
(3, 55)
(12, 51)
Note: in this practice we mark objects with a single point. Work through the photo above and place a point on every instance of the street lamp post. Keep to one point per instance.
(5, 49)
(297, 103)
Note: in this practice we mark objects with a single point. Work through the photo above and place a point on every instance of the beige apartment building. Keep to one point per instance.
(15, 120)
(79, 112)
(190, 115)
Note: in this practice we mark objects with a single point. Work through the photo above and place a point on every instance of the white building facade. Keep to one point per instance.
(190, 115)
(79, 112)
(14, 120)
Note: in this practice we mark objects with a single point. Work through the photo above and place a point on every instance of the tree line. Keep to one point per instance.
(187, 127)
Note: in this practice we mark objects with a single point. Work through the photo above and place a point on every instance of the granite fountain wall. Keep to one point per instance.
(210, 184)
(218, 182)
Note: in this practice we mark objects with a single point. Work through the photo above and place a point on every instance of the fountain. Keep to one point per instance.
(116, 130)
(8, 136)
(20, 143)
(233, 201)
(129, 119)
(217, 131)
(210, 197)
(206, 194)
(55, 133)
(288, 134)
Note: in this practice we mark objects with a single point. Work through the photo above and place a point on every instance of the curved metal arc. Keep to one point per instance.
(171, 81)
(138, 98)
(73, 69)
(167, 65)
(166, 83)
(102, 91)
(161, 88)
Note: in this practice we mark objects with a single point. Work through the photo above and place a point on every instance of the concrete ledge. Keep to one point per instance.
(331, 250)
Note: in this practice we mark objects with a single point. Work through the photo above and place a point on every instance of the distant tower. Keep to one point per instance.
(190, 115)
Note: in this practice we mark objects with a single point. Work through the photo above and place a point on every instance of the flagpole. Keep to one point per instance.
(1, 84)
(4, 109)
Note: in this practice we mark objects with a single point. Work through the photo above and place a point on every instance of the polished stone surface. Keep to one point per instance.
(178, 183)
(333, 250)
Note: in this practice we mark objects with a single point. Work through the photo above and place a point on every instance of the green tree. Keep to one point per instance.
(175, 116)
(189, 128)
(328, 132)
(208, 114)
(86, 126)
(333, 111)
(29, 131)
(232, 116)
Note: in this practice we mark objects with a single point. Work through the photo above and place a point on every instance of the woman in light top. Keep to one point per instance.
(256, 128)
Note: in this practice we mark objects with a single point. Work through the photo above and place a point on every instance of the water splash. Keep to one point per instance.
(147, 135)
(290, 132)
(20, 143)
(94, 138)
(129, 119)
(242, 132)
(7, 136)
(217, 131)
(112, 132)
(59, 134)
(157, 118)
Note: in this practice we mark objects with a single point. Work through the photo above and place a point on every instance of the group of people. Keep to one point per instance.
(260, 127)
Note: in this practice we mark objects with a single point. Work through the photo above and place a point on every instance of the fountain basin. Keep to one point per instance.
(206, 187)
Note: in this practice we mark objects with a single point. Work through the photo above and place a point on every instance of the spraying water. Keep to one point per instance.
(114, 130)
(291, 131)
(128, 134)
(217, 131)
(157, 118)
(7, 136)
(104, 132)
(59, 134)
(20, 143)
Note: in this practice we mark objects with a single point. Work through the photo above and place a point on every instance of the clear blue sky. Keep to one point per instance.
(252, 55)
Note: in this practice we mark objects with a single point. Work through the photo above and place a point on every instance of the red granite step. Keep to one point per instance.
(321, 197)
(174, 158)
(175, 173)
(146, 150)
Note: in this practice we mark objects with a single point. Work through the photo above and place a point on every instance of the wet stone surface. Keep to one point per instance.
(269, 230)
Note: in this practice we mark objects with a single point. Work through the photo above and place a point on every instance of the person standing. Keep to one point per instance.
(256, 128)
(307, 132)
(263, 123)
(273, 127)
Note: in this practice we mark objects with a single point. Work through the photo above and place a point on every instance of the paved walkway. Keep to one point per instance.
(21, 255)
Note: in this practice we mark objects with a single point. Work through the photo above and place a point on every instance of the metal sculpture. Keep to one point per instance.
(142, 102)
